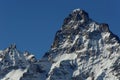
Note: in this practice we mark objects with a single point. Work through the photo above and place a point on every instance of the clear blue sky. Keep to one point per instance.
(32, 24)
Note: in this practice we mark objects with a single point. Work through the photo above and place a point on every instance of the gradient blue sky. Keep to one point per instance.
(32, 24)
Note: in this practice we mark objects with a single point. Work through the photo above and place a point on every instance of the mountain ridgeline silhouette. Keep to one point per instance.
(83, 49)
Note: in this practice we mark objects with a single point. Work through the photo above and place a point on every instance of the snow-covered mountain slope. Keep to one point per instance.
(83, 49)
(15, 65)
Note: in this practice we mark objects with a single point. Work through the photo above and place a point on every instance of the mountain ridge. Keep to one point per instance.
(83, 49)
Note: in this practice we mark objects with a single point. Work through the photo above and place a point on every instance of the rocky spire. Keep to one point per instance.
(85, 45)
(71, 26)
(77, 15)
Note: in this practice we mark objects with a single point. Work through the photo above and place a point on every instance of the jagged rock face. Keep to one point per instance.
(82, 50)
(70, 26)
(76, 15)
(88, 46)
(15, 65)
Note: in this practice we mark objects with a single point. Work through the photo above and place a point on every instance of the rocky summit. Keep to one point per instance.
(83, 49)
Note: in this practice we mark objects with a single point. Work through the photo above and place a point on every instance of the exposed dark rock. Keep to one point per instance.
(104, 27)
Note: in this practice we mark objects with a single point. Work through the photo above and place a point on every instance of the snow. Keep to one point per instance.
(14, 74)
(61, 58)
(65, 56)
(105, 35)
(83, 50)
(76, 37)
(76, 72)
(68, 44)
(30, 56)
(82, 21)
(65, 44)
(75, 27)
(1, 51)
(75, 10)
(89, 78)
(93, 26)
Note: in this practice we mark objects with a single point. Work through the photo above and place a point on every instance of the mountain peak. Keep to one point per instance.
(77, 10)
(75, 27)
(83, 49)
(77, 15)
(80, 43)
(12, 46)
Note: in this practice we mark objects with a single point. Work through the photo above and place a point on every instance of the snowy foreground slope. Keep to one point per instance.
(83, 49)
